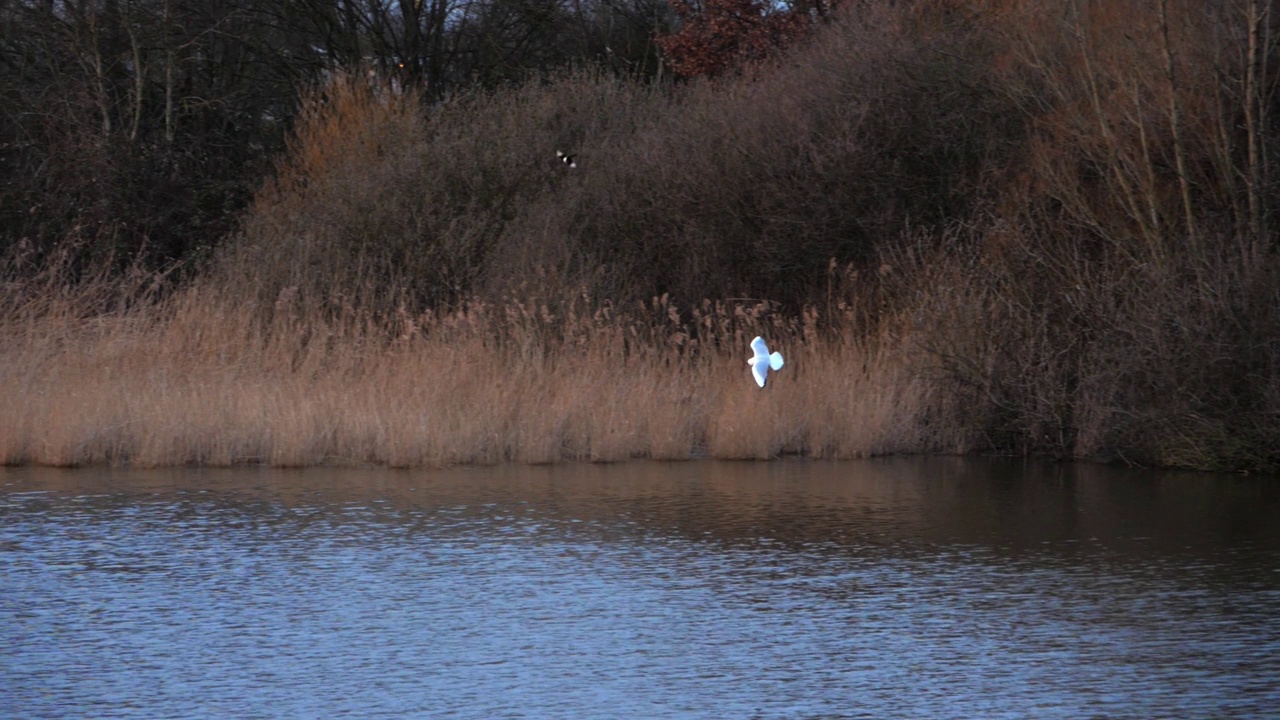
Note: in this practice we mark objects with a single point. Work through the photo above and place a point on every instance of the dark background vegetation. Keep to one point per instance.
(141, 128)
(1065, 210)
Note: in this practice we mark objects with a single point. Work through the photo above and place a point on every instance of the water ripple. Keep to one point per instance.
(686, 593)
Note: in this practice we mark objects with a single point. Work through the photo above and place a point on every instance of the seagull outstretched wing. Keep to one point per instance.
(762, 361)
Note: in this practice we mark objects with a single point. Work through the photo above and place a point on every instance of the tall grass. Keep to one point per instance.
(1016, 227)
(190, 380)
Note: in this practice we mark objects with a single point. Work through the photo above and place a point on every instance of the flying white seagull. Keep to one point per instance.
(762, 362)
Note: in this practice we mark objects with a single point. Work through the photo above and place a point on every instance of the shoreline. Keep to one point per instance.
(185, 382)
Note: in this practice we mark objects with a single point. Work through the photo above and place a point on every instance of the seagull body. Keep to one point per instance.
(763, 361)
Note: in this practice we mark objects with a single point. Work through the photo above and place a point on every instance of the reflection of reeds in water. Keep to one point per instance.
(192, 379)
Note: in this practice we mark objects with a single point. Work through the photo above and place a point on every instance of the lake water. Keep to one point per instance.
(904, 588)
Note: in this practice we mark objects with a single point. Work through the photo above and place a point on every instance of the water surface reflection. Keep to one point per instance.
(899, 588)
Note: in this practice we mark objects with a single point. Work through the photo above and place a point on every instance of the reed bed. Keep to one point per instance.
(187, 380)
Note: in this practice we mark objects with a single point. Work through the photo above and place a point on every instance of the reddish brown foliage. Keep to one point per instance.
(721, 35)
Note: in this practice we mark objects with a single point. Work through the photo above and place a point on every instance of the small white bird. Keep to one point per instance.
(567, 159)
(762, 362)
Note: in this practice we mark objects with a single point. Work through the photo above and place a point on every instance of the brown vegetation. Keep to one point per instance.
(997, 226)
(106, 377)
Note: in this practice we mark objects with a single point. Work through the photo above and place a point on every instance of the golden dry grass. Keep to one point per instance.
(192, 381)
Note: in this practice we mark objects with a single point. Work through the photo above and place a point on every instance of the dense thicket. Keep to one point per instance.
(715, 189)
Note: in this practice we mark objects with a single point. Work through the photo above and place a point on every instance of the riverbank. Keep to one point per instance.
(195, 380)
(994, 227)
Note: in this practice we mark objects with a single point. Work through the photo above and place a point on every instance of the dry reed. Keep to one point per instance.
(189, 380)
